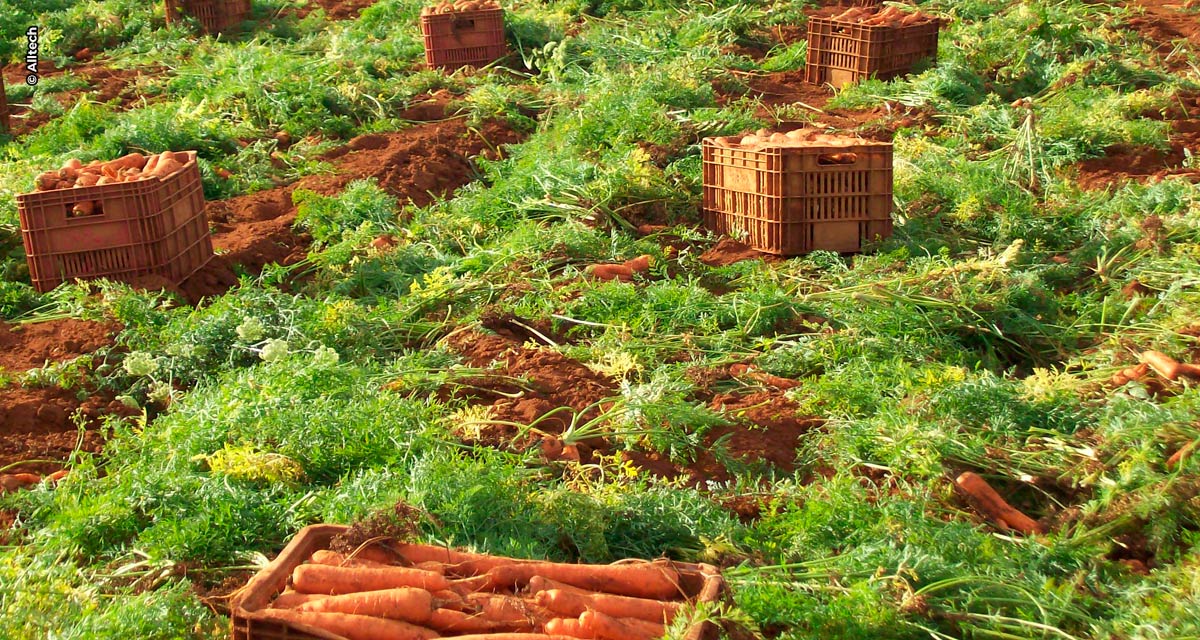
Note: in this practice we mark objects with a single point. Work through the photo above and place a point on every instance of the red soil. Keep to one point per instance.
(729, 251)
(1165, 25)
(417, 165)
(38, 424)
(1143, 163)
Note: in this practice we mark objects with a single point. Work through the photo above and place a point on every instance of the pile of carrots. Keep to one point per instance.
(890, 16)
(416, 592)
(808, 137)
(460, 6)
(127, 168)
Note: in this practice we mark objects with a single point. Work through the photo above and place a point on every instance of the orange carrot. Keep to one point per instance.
(1179, 456)
(500, 608)
(403, 603)
(611, 272)
(1163, 365)
(14, 481)
(293, 599)
(605, 627)
(351, 626)
(643, 580)
(639, 264)
(511, 636)
(542, 583)
(450, 621)
(567, 627)
(320, 578)
(335, 559)
(460, 562)
(994, 506)
(56, 476)
(573, 604)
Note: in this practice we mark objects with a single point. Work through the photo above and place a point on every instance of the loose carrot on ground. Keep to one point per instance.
(293, 599)
(335, 559)
(404, 603)
(642, 580)
(1136, 372)
(1163, 365)
(1179, 456)
(995, 507)
(573, 604)
(605, 627)
(567, 627)
(353, 627)
(14, 481)
(320, 578)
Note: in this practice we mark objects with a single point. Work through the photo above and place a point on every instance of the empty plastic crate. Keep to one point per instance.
(841, 53)
(698, 582)
(790, 200)
(454, 40)
(214, 16)
(148, 227)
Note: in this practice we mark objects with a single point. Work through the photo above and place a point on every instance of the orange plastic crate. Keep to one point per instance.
(148, 227)
(790, 200)
(214, 16)
(700, 582)
(841, 53)
(454, 40)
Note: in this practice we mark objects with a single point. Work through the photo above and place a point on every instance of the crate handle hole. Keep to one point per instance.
(837, 158)
(85, 209)
(464, 24)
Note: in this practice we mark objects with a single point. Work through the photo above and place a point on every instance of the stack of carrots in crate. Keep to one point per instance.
(763, 139)
(127, 168)
(890, 16)
(419, 592)
(459, 6)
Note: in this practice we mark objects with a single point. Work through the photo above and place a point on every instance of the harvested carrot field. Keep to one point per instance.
(616, 320)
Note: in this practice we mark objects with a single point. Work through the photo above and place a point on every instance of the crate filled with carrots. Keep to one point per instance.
(463, 33)
(800, 191)
(865, 42)
(403, 591)
(124, 219)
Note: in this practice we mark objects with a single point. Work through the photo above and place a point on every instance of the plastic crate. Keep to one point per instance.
(148, 227)
(790, 200)
(454, 40)
(214, 16)
(841, 53)
(700, 582)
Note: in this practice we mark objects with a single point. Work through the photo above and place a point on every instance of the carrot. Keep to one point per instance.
(605, 627)
(1128, 374)
(293, 599)
(1163, 365)
(542, 583)
(450, 621)
(567, 627)
(573, 604)
(351, 626)
(1189, 370)
(499, 608)
(611, 272)
(994, 506)
(14, 481)
(642, 580)
(335, 559)
(461, 563)
(639, 264)
(403, 603)
(57, 476)
(320, 578)
(511, 636)
(1179, 456)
